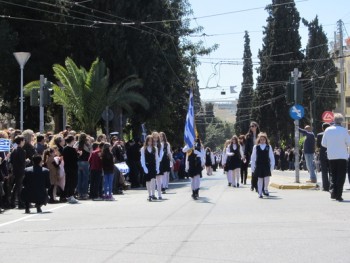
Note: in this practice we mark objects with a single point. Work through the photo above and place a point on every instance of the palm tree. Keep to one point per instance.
(87, 93)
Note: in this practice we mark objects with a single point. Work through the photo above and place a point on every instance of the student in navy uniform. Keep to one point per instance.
(234, 155)
(35, 184)
(150, 165)
(209, 161)
(262, 163)
(195, 161)
(159, 176)
(165, 159)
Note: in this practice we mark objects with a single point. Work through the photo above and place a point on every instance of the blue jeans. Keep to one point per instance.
(309, 159)
(108, 184)
(83, 177)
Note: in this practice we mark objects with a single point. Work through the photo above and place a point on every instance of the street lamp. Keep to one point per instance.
(22, 58)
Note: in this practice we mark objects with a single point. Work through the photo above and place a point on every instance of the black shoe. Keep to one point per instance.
(237, 185)
(38, 210)
(153, 197)
(260, 196)
(150, 199)
(160, 198)
(229, 184)
(27, 211)
(332, 196)
(252, 189)
(340, 199)
(266, 193)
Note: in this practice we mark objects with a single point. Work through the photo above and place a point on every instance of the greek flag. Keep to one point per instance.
(189, 134)
(5, 145)
(144, 132)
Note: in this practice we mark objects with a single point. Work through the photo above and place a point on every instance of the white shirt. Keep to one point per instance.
(271, 156)
(143, 159)
(234, 146)
(336, 139)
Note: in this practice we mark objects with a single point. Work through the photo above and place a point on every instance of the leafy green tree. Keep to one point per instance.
(217, 133)
(320, 93)
(245, 99)
(279, 55)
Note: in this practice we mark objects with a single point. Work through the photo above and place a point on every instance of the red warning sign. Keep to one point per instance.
(328, 116)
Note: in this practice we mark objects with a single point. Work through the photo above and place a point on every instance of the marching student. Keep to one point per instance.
(234, 155)
(165, 161)
(223, 163)
(195, 160)
(209, 161)
(150, 165)
(159, 176)
(262, 163)
(244, 163)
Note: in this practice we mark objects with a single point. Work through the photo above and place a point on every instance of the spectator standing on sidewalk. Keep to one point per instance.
(336, 139)
(309, 151)
(36, 182)
(323, 159)
(70, 158)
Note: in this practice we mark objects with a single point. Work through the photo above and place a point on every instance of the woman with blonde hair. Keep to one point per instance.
(234, 155)
(150, 166)
(159, 177)
(262, 163)
(165, 161)
(223, 163)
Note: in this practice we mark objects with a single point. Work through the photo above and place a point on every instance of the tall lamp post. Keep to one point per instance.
(22, 58)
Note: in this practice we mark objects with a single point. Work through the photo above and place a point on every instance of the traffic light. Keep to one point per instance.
(47, 92)
(290, 93)
(34, 97)
(300, 93)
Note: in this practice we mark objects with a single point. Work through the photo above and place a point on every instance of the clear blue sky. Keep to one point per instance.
(231, 46)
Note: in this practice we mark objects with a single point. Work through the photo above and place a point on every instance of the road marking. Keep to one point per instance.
(29, 216)
(37, 220)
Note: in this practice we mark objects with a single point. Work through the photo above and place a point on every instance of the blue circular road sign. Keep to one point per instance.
(296, 112)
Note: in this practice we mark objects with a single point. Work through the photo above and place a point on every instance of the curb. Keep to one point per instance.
(291, 187)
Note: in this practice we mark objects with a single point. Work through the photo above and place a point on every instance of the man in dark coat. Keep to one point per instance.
(18, 161)
(35, 184)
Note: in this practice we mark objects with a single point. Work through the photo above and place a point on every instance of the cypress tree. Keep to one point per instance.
(246, 94)
(280, 50)
(321, 90)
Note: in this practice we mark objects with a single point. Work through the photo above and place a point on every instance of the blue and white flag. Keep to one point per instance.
(144, 132)
(190, 133)
(5, 145)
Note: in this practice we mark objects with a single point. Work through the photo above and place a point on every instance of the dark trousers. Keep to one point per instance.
(71, 181)
(16, 190)
(325, 174)
(96, 181)
(254, 183)
(244, 172)
(338, 174)
(134, 173)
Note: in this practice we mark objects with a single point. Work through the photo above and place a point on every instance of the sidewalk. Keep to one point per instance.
(286, 180)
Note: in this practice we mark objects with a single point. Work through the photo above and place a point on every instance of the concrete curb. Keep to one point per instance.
(294, 186)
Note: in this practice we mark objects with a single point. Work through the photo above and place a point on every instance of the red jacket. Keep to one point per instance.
(95, 160)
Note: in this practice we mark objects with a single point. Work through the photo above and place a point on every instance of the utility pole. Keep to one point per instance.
(296, 127)
(341, 61)
(41, 104)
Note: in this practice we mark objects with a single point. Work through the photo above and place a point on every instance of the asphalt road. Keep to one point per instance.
(225, 225)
